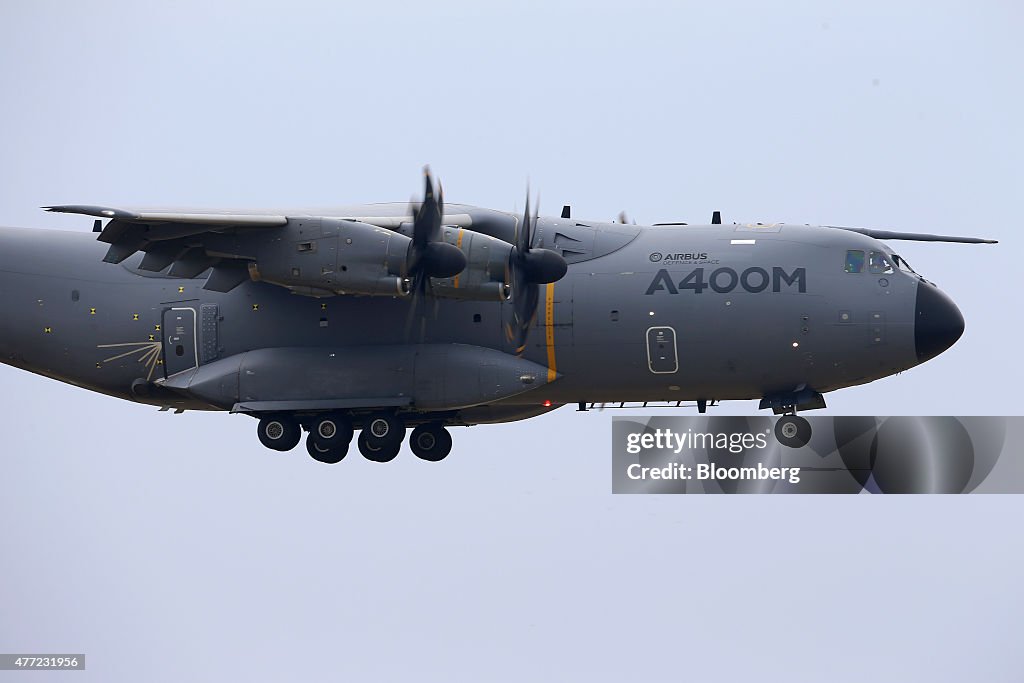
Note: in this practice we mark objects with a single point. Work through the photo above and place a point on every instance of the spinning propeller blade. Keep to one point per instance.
(529, 268)
(429, 255)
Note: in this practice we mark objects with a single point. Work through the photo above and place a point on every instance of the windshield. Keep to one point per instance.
(902, 264)
(878, 263)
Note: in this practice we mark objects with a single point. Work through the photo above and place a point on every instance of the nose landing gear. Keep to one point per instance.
(790, 430)
(793, 431)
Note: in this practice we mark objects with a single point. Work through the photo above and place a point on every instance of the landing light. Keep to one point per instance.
(796, 344)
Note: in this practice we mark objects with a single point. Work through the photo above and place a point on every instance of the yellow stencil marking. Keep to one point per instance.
(181, 290)
(147, 353)
(135, 316)
(92, 311)
(458, 243)
(549, 331)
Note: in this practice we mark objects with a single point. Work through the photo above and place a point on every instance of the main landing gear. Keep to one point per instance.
(280, 433)
(330, 436)
(431, 442)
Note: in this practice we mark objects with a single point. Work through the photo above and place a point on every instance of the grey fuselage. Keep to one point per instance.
(663, 313)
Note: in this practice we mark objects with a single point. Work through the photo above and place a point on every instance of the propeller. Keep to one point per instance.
(429, 255)
(529, 268)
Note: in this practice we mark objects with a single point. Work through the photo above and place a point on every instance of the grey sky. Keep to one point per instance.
(175, 547)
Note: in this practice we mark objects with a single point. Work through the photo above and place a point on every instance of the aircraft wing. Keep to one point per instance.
(163, 217)
(186, 241)
(914, 236)
(131, 231)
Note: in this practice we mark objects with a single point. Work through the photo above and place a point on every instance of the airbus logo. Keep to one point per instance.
(688, 256)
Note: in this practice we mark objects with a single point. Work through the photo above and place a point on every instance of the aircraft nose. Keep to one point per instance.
(938, 323)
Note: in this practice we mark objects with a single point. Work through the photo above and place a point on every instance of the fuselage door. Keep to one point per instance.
(661, 350)
(180, 351)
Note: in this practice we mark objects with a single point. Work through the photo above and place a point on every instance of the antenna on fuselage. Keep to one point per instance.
(716, 218)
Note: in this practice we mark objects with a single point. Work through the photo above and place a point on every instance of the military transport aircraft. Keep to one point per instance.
(386, 316)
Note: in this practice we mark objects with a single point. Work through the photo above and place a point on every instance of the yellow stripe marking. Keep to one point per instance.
(549, 322)
(458, 243)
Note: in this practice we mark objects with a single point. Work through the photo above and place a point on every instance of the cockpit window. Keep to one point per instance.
(878, 263)
(854, 261)
(902, 264)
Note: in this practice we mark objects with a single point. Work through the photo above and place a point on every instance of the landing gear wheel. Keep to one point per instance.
(375, 451)
(793, 431)
(384, 428)
(328, 454)
(331, 431)
(430, 442)
(279, 433)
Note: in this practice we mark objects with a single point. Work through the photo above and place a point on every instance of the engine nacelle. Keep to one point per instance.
(486, 276)
(328, 256)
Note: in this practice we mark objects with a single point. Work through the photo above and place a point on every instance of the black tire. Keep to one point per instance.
(331, 431)
(431, 442)
(375, 451)
(279, 432)
(793, 431)
(384, 428)
(330, 455)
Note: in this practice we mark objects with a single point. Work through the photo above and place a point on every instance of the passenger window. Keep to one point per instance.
(854, 261)
(878, 263)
